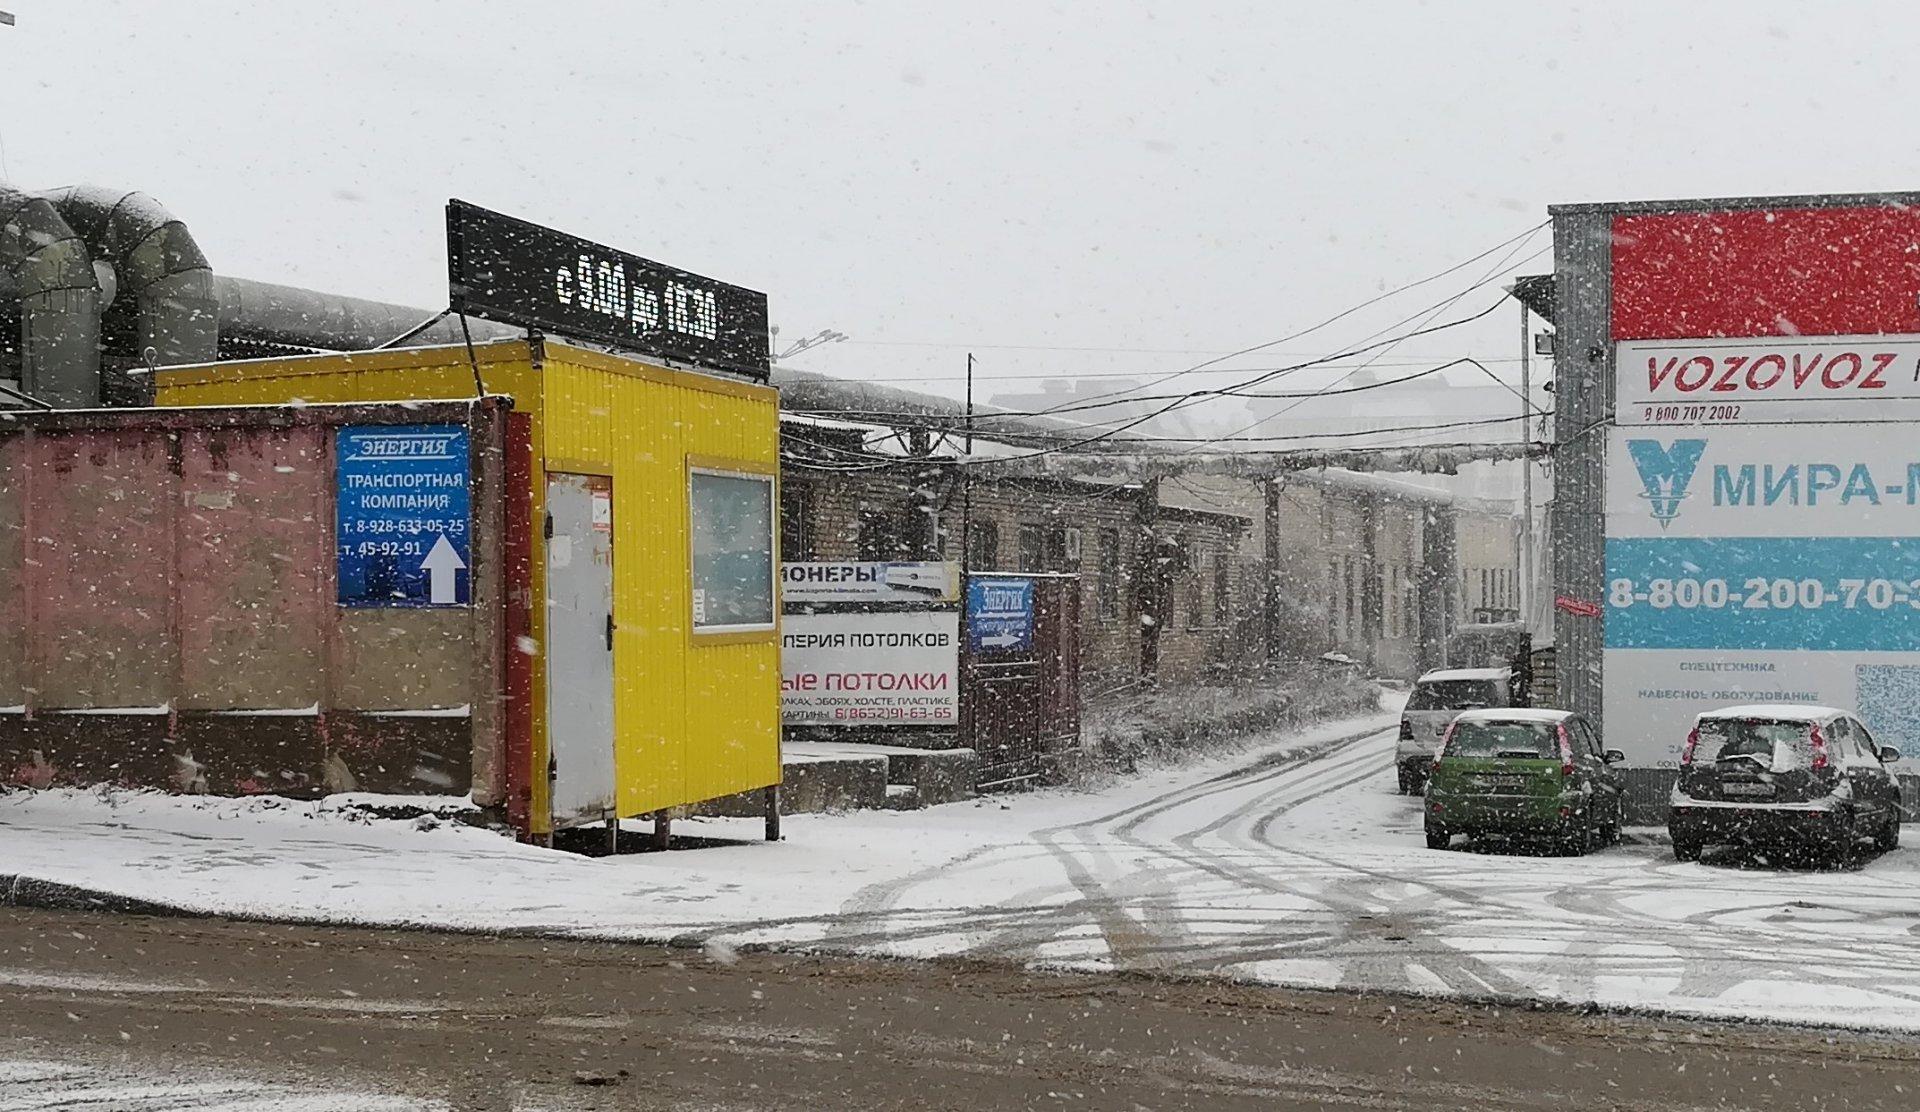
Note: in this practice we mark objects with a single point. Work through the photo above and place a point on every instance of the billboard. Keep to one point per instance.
(1782, 378)
(896, 669)
(869, 581)
(509, 270)
(1777, 563)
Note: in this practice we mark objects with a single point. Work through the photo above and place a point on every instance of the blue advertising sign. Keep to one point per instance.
(402, 509)
(999, 614)
(1808, 594)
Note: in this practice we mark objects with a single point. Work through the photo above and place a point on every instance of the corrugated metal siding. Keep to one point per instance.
(693, 720)
(1582, 247)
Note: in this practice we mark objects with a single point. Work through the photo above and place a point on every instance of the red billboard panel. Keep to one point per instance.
(1780, 272)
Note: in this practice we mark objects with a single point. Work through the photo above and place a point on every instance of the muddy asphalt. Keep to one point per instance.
(491, 1023)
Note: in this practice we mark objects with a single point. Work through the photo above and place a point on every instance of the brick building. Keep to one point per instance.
(1191, 578)
(1162, 587)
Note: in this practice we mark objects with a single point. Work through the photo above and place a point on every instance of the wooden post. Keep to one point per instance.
(613, 833)
(663, 829)
(772, 794)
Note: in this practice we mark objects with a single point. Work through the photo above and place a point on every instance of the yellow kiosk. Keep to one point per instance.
(648, 641)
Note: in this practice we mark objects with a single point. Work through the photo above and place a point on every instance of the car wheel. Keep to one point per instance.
(1889, 838)
(1686, 849)
(1438, 837)
(1610, 833)
(1578, 842)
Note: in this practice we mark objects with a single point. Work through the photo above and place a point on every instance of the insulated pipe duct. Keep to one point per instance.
(287, 316)
(164, 286)
(59, 301)
(815, 394)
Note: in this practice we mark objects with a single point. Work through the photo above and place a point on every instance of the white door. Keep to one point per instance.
(580, 646)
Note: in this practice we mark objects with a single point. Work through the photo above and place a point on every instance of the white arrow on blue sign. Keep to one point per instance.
(402, 513)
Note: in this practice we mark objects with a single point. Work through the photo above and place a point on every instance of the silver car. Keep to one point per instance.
(1437, 698)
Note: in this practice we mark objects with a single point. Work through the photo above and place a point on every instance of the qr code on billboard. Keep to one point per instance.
(1890, 702)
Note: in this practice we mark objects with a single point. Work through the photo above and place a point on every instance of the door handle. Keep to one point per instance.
(609, 632)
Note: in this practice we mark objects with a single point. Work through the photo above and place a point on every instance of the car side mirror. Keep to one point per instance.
(1614, 756)
(1889, 754)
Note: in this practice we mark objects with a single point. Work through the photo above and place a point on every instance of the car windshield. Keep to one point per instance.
(1504, 739)
(1777, 745)
(1455, 695)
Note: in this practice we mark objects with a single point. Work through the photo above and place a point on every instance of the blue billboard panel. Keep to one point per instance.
(1815, 594)
(402, 514)
(999, 615)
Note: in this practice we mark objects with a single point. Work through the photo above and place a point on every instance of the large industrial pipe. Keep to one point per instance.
(266, 313)
(59, 301)
(163, 286)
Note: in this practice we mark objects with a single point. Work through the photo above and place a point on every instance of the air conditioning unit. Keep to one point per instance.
(1073, 546)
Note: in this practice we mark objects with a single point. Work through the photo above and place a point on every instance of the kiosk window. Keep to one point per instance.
(732, 517)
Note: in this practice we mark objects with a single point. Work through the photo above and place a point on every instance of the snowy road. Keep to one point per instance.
(1294, 863)
(1311, 871)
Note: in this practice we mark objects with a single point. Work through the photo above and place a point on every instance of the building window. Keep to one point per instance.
(1388, 619)
(1222, 589)
(983, 554)
(1337, 610)
(1033, 548)
(733, 569)
(1196, 586)
(796, 523)
(1109, 573)
(1043, 548)
(1356, 597)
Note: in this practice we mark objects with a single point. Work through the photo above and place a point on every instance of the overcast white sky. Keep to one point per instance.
(1176, 178)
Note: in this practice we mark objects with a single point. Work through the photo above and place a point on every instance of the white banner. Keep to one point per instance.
(870, 669)
(870, 581)
(1773, 481)
(1786, 378)
(1778, 563)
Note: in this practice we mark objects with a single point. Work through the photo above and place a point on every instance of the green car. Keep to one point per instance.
(1530, 773)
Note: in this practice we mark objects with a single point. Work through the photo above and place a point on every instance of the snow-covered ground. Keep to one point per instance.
(35, 1084)
(1292, 862)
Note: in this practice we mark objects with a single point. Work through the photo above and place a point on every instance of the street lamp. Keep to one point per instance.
(824, 336)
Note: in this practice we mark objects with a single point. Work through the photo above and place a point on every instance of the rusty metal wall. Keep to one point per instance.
(1020, 709)
(168, 614)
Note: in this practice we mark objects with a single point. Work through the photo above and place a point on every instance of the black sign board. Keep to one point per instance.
(508, 270)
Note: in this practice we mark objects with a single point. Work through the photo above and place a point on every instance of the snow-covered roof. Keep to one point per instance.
(1515, 714)
(1445, 674)
(1785, 712)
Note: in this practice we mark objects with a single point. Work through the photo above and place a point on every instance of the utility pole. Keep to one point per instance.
(1524, 594)
(966, 486)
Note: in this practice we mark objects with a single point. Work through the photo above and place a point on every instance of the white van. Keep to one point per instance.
(1438, 697)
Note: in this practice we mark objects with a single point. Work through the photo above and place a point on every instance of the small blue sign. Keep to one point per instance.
(401, 518)
(1000, 615)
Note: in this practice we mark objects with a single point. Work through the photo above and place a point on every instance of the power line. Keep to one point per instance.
(1436, 310)
(1391, 430)
(1074, 376)
(1528, 234)
(1465, 360)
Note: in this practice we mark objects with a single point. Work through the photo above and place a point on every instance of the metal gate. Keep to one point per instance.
(1020, 689)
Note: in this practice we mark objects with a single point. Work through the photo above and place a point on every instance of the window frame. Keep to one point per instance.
(735, 469)
(1109, 603)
